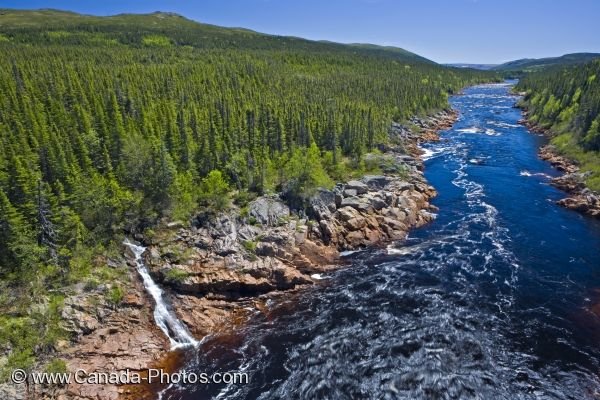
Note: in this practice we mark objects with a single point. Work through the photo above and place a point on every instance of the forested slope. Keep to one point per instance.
(538, 64)
(567, 102)
(110, 123)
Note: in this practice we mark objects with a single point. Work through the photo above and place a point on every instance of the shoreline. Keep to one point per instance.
(579, 197)
(217, 272)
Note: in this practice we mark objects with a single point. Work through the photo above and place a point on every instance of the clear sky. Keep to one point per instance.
(475, 31)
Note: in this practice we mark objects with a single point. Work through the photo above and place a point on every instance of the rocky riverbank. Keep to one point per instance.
(580, 198)
(227, 265)
(217, 270)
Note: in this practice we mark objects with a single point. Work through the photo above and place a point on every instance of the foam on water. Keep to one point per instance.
(501, 124)
(427, 154)
(540, 174)
(491, 132)
(349, 252)
(473, 129)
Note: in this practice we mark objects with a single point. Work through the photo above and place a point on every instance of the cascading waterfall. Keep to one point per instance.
(171, 326)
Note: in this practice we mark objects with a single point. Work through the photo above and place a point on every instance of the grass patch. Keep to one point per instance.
(250, 246)
(589, 161)
(176, 275)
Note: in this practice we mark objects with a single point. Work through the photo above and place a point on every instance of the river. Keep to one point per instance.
(496, 299)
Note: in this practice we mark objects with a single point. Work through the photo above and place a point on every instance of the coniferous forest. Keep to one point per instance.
(109, 124)
(566, 101)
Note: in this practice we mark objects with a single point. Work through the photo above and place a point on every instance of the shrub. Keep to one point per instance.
(249, 245)
(115, 295)
(243, 197)
(176, 275)
(215, 191)
(56, 366)
(305, 173)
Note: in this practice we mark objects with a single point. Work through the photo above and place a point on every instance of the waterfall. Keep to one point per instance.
(166, 320)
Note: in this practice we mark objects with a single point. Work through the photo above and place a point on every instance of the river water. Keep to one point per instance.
(493, 300)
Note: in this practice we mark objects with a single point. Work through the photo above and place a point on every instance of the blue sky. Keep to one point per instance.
(477, 31)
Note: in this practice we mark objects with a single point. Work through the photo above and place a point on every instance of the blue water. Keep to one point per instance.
(493, 300)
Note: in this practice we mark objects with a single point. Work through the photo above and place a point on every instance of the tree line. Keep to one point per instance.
(566, 100)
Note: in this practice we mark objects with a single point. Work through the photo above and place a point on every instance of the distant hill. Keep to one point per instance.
(534, 64)
(483, 67)
(22, 25)
(390, 50)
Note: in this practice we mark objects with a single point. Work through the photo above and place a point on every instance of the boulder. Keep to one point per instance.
(225, 246)
(372, 236)
(350, 193)
(322, 204)
(279, 237)
(345, 214)
(394, 224)
(268, 211)
(376, 182)
(328, 231)
(377, 201)
(575, 203)
(358, 203)
(355, 239)
(355, 224)
(403, 185)
(288, 278)
(353, 202)
(265, 249)
(319, 256)
(300, 234)
(407, 203)
(390, 199)
(372, 222)
(395, 213)
(359, 186)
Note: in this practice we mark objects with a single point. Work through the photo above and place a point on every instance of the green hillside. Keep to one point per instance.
(567, 102)
(536, 64)
(36, 27)
(390, 51)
